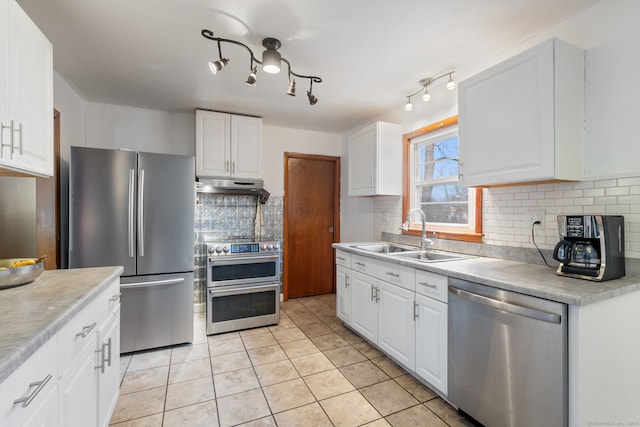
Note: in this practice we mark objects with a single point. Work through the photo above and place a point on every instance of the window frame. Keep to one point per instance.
(471, 234)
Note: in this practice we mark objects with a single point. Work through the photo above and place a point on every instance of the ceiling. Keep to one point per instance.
(370, 54)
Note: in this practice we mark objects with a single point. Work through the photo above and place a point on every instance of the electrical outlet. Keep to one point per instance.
(536, 216)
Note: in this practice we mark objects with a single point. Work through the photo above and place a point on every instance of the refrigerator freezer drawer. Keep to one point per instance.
(157, 311)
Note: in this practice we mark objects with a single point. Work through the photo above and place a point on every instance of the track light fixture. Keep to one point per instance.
(271, 63)
(424, 85)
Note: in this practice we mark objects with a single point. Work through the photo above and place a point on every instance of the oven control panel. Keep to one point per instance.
(242, 248)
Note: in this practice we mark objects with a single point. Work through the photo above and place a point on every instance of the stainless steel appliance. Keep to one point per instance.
(243, 284)
(136, 210)
(507, 356)
(591, 246)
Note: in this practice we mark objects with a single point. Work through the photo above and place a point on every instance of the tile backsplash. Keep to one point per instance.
(505, 211)
(218, 216)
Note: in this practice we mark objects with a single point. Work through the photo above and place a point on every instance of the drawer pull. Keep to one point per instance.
(86, 330)
(39, 385)
(340, 258)
(428, 285)
(396, 275)
(115, 298)
(361, 264)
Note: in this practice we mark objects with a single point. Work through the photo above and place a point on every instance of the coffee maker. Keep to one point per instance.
(591, 247)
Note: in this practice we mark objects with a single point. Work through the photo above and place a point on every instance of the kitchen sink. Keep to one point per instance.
(428, 256)
(385, 248)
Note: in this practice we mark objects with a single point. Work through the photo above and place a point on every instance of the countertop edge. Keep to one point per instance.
(479, 270)
(20, 354)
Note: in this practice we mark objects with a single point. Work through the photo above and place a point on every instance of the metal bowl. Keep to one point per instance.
(16, 276)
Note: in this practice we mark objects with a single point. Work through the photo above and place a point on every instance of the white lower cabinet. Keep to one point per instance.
(431, 342)
(364, 308)
(64, 383)
(28, 397)
(343, 294)
(343, 288)
(396, 326)
(402, 310)
(108, 366)
(77, 388)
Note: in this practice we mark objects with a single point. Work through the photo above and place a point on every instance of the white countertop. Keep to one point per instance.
(33, 313)
(530, 279)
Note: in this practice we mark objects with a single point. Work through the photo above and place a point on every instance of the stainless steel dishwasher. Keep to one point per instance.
(507, 356)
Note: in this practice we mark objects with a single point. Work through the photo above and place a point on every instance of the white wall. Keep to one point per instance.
(278, 140)
(116, 126)
(609, 34)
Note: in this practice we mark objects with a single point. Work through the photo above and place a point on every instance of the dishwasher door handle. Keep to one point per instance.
(507, 306)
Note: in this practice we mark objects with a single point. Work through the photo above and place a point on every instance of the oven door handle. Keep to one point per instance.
(246, 259)
(235, 290)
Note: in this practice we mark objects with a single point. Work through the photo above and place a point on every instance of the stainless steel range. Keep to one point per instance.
(243, 284)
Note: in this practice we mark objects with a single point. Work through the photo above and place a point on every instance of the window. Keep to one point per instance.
(431, 184)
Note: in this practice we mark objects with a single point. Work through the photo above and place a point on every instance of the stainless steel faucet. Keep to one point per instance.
(405, 226)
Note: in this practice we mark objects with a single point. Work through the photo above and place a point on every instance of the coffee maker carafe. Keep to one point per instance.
(591, 246)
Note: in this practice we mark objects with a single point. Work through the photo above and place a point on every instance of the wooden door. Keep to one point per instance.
(311, 223)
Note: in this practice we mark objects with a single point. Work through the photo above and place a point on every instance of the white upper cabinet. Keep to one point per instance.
(523, 119)
(26, 93)
(375, 160)
(228, 145)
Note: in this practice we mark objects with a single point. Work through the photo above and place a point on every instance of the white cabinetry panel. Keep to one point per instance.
(375, 160)
(522, 120)
(228, 145)
(26, 93)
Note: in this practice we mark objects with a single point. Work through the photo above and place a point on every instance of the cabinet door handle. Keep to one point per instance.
(2, 144)
(373, 290)
(428, 285)
(108, 358)
(101, 357)
(392, 274)
(39, 385)
(233, 167)
(346, 281)
(19, 130)
(372, 186)
(86, 330)
(226, 166)
(415, 311)
(115, 298)
(377, 295)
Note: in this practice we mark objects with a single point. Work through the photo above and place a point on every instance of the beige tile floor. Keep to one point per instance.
(307, 371)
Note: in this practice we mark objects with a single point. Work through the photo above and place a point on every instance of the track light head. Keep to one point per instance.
(218, 65)
(251, 80)
(408, 106)
(426, 97)
(451, 85)
(312, 98)
(292, 87)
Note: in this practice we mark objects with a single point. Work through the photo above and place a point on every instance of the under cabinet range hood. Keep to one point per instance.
(229, 185)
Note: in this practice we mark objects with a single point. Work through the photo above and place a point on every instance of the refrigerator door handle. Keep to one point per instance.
(130, 219)
(152, 283)
(141, 212)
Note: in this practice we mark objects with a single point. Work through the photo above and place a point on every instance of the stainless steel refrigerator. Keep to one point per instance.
(136, 210)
